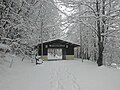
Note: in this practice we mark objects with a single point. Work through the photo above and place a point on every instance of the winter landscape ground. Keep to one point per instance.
(58, 75)
(30, 28)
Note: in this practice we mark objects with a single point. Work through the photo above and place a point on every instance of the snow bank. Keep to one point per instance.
(114, 65)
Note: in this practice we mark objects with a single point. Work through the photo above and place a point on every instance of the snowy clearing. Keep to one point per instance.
(59, 75)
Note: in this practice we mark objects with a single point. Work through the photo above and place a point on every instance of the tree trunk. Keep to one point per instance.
(100, 46)
(100, 42)
(100, 57)
(101, 29)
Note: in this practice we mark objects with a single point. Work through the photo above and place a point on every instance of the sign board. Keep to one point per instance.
(57, 46)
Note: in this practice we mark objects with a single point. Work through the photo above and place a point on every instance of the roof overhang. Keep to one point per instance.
(60, 41)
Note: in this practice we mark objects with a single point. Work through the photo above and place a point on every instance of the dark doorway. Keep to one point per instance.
(55, 54)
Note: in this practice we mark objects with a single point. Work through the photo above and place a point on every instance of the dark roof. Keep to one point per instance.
(60, 41)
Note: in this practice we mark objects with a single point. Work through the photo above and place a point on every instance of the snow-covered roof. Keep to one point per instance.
(61, 40)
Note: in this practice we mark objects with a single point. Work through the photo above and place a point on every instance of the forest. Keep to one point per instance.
(93, 24)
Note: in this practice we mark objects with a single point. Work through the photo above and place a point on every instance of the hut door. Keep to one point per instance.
(55, 54)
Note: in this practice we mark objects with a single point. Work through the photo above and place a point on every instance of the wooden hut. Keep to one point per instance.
(58, 48)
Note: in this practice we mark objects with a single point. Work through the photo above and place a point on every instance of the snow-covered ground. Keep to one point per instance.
(59, 75)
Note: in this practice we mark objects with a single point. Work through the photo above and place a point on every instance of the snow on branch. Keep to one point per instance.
(4, 46)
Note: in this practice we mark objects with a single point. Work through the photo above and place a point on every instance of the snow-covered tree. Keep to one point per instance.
(22, 20)
(99, 20)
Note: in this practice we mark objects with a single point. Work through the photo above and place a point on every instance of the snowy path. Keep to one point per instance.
(60, 75)
(62, 78)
